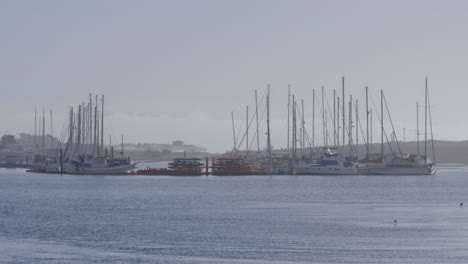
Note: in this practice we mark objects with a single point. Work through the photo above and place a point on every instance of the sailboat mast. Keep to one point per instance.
(334, 117)
(300, 131)
(323, 119)
(83, 126)
(357, 125)
(303, 127)
(294, 127)
(51, 131)
(367, 120)
(313, 118)
(381, 126)
(246, 130)
(122, 148)
(343, 106)
(90, 128)
(95, 127)
(43, 145)
(256, 117)
(425, 125)
(78, 132)
(350, 125)
(71, 128)
(234, 134)
(102, 123)
(338, 120)
(417, 127)
(289, 113)
(35, 129)
(370, 124)
(268, 126)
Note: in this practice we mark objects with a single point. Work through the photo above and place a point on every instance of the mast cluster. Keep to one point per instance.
(84, 133)
(341, 126)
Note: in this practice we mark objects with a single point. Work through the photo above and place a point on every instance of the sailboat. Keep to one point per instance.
(404, 164)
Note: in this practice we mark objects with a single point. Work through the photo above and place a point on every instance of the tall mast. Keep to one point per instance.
(71, 128)
(367, 120)
(98, 134)
(268, 126)
(96, 147)
(357, 125)
(350, 125)
(294, 127)
(338, 120)
(334, 117)
(417, 127)
(313, 118)
(90, 142)
(323, 119)
(51, 131)
(246, 130)
(289, 113)
(102, 123)
(83, 126)
(78, 132)
(289, 124)
(303, 126)
(370, 123)
(381, 126)
(343, 106)
(234, 134)
(122, 150)
(256, 117)
(35, 129)
(425, 125)
(43, 131)
(300, 131)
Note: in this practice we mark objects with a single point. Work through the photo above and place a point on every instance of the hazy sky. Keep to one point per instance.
(176, 69)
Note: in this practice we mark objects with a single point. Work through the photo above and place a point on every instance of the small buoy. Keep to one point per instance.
(395, 221)
(461, 204)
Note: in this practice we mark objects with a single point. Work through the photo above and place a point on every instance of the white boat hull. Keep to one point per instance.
(104, 170)
(325, 171)
(423, 170)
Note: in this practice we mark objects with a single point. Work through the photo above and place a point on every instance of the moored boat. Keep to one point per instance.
(330, 164)
(231, 166)
(186, 167)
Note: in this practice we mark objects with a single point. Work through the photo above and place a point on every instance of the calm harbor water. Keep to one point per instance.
(251, 219)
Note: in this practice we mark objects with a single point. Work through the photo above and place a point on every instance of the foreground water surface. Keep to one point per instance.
(250, 219)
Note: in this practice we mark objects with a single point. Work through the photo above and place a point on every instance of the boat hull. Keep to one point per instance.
(430, 170)
(325, 171)
(117, 170)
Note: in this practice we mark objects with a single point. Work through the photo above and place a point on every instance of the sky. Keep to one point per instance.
(176, 69)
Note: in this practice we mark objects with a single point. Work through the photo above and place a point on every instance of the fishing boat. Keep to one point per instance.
(101, 165)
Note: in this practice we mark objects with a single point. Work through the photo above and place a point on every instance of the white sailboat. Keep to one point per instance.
(404, 164)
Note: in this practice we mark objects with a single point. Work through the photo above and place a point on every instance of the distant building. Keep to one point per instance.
(7, 140)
